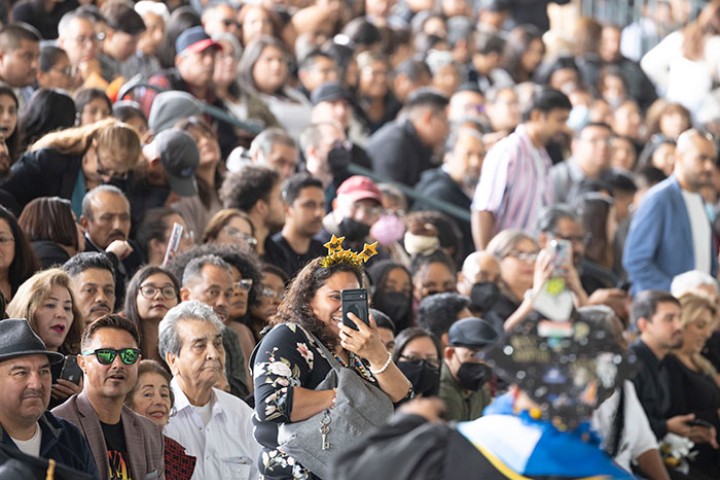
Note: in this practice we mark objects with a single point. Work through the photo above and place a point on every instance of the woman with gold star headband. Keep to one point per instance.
(290, 364)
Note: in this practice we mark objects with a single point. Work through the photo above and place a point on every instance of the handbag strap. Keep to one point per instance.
(321, 346)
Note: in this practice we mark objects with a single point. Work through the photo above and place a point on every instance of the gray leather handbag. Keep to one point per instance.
(359, 408)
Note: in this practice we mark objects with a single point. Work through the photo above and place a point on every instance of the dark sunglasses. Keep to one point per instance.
(106, 356)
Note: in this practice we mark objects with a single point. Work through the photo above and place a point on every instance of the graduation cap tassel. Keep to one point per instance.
(50, 475)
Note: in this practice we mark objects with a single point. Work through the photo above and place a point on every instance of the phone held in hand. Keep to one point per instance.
(71, 370)
(562, 256)
(354, 300)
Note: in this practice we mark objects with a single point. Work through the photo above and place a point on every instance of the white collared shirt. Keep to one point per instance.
(225, 448)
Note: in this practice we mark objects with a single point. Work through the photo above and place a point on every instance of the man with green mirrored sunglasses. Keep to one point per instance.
(124, 444)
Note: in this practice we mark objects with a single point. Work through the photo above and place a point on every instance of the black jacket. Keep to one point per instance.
(436, 183)
(398, 154)
(63, 442)
(43, 173)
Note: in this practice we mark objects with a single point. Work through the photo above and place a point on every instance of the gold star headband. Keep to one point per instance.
(336, 254)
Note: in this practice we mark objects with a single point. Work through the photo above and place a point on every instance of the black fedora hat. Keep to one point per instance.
(17, 339)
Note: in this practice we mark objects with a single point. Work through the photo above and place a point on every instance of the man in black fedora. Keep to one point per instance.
(25, 383)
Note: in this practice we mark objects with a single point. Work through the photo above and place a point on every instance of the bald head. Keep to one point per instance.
(478, 267)
(695, 160)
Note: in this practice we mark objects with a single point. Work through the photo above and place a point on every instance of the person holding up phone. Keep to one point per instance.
(47, 302)
(289, 364)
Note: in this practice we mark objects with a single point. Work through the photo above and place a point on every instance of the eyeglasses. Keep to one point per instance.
(67, 71)
(4, 240)
(244, 284)
(149, 292)
(576, 239)
(434, 362)
(269, 293)
(234, 232)
(523, 256)
(106, 356)
(107, 172)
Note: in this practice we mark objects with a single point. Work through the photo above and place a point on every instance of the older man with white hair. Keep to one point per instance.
(213, 426)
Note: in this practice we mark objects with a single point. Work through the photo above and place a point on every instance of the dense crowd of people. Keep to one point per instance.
(190, 193)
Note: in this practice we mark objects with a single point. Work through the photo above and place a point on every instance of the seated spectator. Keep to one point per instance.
(54, 70)
(143, 61)
(71, 162)
(166, 174)
(590, 160)
(264, 71)
(209, 279)
(478, 280)
(47, 302)
(93, 284)
(694, 386)
(517, 253)
(44, 17)
(150, 294)
(376, 104)
(623, 153)
(92, 106)
(659, 152)
(304, 201)
(486, 64)
(124, 28)
(20, 42)
(153, 398)
(273, 148)
(193, 69)
(241, 104)
(417, 354)
(182, 18)
(327, 155)
(463, 378)
(393, 293)
(153, 234)
(197, 402)
(455, 181)
(79, 39)
(437, 313)
(106, 221)
(121, 440)
(54, 242)
(432, 273)
(25, 364)
(523, 53)
(128, 111)
(198, 209)
(230, 226)
(658, 318)
(667, 119)
(256, 191)
(270, 293)
(9, 125)
(19, 261)
(47, 111)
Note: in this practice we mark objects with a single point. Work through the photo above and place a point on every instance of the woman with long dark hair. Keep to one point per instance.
(290, 363)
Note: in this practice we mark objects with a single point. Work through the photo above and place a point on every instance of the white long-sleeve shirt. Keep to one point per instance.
(225, 447)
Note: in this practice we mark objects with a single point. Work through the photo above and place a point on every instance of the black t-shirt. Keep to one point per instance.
(283, 256)
(117, 451)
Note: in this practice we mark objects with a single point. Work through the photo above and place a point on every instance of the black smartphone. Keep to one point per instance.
(355, 301)
(71, 370)
(625, 286)
(699, 423)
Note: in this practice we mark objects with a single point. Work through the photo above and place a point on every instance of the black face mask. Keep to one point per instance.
(472, 376)
(338, 160)
(425, 378)
(393, 304)
(353, 230)
(484, 295)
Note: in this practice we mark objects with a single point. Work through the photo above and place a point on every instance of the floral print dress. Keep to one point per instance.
(286, 358)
